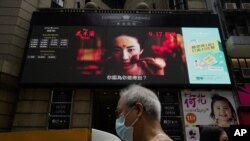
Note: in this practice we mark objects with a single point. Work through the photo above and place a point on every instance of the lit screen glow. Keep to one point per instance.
(90, 54)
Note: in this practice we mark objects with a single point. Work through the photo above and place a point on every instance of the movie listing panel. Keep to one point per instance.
(48, 43)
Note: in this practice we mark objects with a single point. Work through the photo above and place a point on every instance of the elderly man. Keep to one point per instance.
(138, 115)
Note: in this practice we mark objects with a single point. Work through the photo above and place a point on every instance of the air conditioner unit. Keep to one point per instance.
(230, 5)
(245, 72)
(245, 5)
(238, 46)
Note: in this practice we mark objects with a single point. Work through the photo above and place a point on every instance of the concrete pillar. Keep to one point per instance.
(32, 109)
(82, 109)
(15, 16)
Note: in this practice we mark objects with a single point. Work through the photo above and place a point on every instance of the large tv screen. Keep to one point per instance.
(115, 48)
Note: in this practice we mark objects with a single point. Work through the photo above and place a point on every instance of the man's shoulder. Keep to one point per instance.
(163, 137)
(166, 138)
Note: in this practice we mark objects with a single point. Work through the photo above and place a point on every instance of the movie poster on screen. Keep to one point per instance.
(209, 108)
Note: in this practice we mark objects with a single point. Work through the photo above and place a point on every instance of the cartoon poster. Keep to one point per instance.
(201, 108)
(205, 56)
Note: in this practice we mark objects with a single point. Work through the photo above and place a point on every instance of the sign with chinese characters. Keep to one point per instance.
(173, 127)
(171, 123)
(205, 57)
(201, 108)
(85, 49)
(60, 109)
(126, 77)
(197, 106)
(59, 122)
(170, 114)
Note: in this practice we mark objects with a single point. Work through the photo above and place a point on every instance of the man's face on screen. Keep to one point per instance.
(127, 51)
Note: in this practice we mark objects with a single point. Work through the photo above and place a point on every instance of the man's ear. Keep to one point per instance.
(141, 51)
(139, 107)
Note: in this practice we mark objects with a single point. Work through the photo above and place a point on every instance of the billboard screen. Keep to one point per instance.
(115, 48)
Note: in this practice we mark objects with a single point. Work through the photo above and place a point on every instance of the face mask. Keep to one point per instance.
(125, 133)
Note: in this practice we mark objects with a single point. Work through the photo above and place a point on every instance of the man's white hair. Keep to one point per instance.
(136, 93)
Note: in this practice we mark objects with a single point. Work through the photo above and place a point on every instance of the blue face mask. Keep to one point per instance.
(125, 133)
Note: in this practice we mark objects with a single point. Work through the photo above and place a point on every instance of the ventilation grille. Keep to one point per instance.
(245, 5)
(245, 72)
(230, 6)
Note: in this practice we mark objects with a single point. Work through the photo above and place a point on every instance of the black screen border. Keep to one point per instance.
(69, 18)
